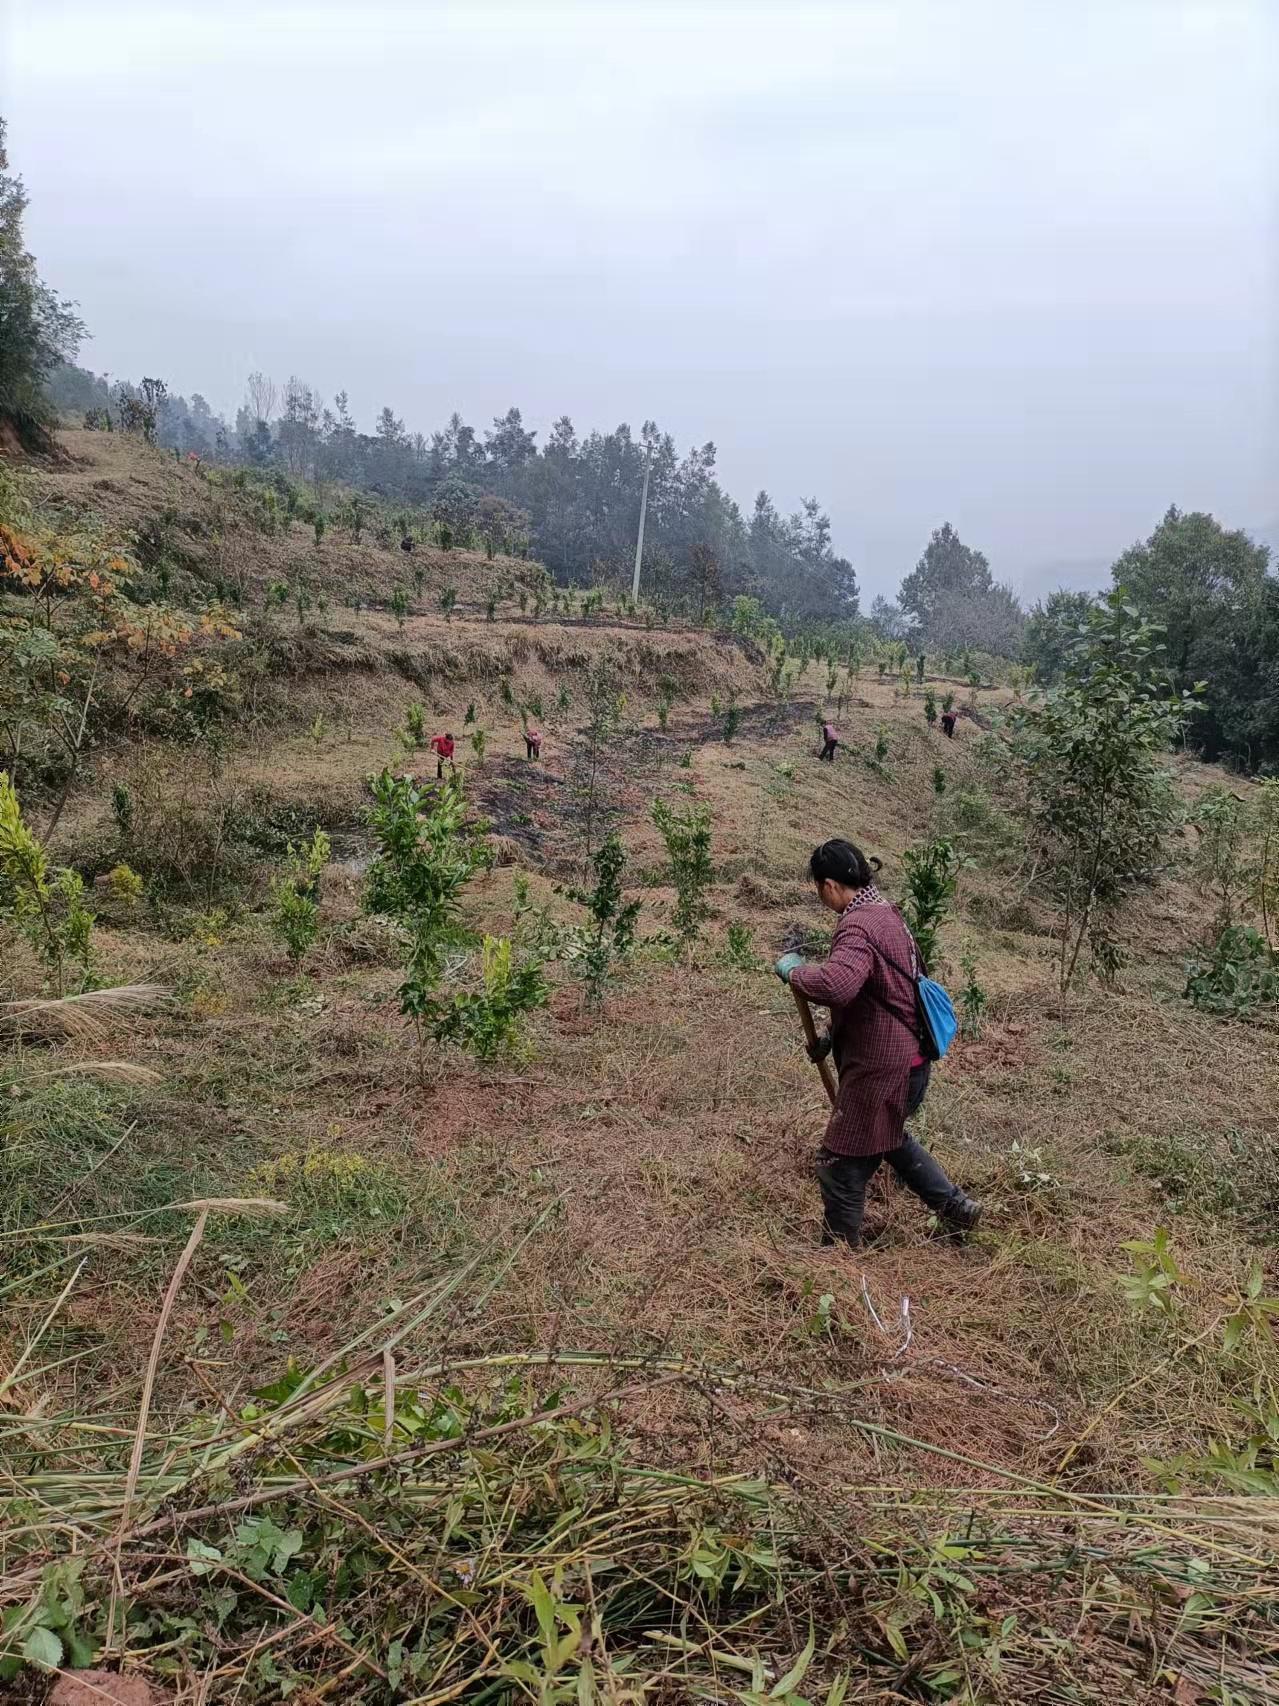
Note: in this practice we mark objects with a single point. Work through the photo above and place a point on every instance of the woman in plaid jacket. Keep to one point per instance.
(868, 982)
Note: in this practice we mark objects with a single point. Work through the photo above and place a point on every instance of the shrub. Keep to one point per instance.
(1099, 801)
(948, 701)
(427, 854)
(448, 602)
(687, 835)
(739, 949)
(932, 875)
(479, 742)
(490, 610)
(612, 932)
(930, 706)
(414, 734)
(399, 606)
(47, 907)
(1238, 978)
(939, 781)
(488, 1020)
(732, 721)
(125, 885)
(973, 999)
(1220, 864)
(122, 809)
(295, 894)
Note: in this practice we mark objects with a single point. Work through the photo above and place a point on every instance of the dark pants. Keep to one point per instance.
(844, 1178)
(532, 748)
(828, 751)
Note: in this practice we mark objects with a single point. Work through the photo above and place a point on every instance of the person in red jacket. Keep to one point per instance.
(442, 747)
(830, 740)
(532, 743)
(868, 982)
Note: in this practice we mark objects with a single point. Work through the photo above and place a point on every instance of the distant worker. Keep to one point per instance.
(868, 980)
(830, 740)
(442, 747)
(948, 724)
(532, 743)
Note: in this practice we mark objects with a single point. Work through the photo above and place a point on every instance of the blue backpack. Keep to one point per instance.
(935, 1023)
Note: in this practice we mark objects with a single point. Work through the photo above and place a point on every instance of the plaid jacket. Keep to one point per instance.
(872, 1024)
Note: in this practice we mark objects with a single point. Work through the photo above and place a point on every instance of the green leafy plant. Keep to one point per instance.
(320, 524)
(487, 1021)
(399, 606)
(468, 719)
(448, 602)
(490, 610)
(739, 947)
(932, 871)
(318, 728)
(1238, 977)
(1155, 1273)
(687, 835)
(973, 1000)
(125, 885)
(879, 757)
(122, 809)
(611, 933)
(1099, 803)
(939, 781)
(427, 853)
(295, 895)
(479, 744)
(948, 701)
(46, 906)
(732, 721)
(1221, 822)
(930, 706)
(414, 732)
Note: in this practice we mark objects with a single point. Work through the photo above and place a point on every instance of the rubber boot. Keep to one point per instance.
(962, 1214)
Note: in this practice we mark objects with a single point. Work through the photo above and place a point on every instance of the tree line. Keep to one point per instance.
(575, 498)
(574, 501)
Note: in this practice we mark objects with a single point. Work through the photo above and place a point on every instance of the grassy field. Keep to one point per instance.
(530, 1380)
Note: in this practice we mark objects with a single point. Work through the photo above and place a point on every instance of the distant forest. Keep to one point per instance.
(574, 503)
(574, 500)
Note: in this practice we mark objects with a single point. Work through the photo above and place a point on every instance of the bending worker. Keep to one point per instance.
(868, 982)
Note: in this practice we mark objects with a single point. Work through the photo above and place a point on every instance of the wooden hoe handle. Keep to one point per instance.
(810, 1032)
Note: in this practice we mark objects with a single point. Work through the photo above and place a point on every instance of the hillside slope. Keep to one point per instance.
(586, 1273)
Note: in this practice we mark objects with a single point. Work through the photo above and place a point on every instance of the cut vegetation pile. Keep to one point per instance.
(410, 1277)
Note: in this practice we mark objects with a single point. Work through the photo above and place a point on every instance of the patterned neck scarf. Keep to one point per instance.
(869, 896)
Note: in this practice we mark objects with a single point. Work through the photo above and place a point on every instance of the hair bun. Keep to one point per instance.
(874, 863)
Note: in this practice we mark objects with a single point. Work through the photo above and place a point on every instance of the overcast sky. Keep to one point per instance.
(1015, 265)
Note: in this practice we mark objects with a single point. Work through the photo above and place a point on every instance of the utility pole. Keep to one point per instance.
(639, 543)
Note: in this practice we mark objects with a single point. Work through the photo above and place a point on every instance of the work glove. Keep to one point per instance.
(820, 1049)
(787, 964)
